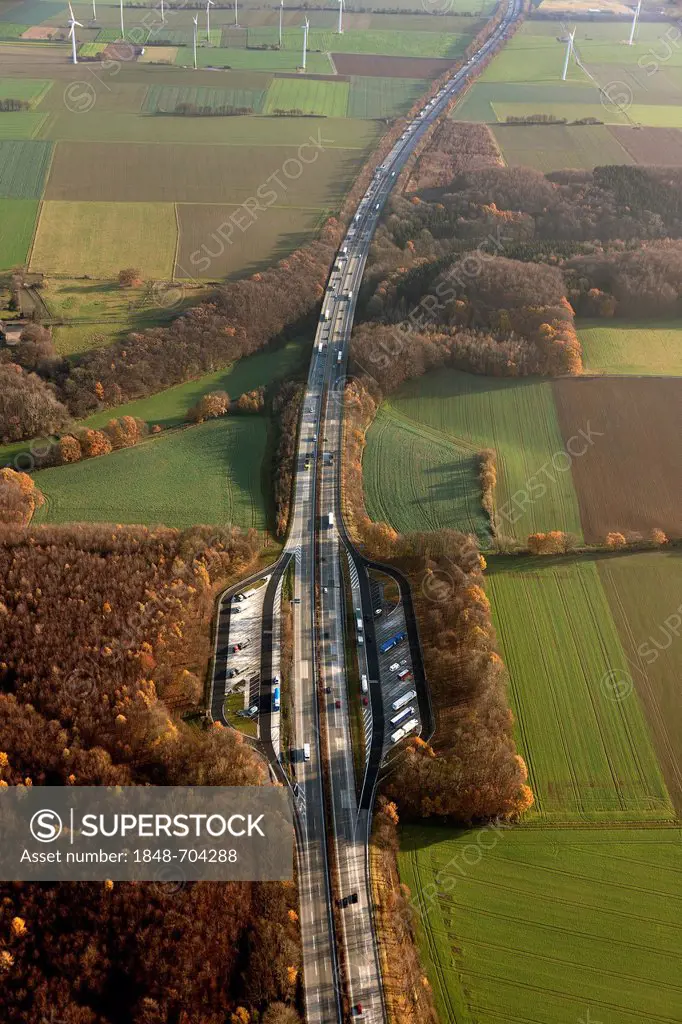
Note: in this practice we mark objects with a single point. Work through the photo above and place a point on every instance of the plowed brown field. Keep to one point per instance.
(374, 65)
(630, 476)
(651, 145)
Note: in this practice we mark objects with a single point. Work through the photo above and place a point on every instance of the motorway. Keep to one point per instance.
(350, 821)
(340, 970)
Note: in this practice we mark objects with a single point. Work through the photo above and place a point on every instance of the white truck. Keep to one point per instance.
(330, 518)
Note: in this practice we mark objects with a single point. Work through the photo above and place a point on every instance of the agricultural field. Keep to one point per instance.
(31, 89)
(554, 925)
(20, 124)
(98, 239)
(17, 223)
(160, 99)
(557, 147)
(651, 145)
(588, 747)
(459, 411)
(525, 78)
(148, 174)
(383, 97)
(23, 166)
(381, 66)
(630, 347)
(645, 594)
(210, 473)
(253, 60)
(636, 424)
(311, 96)
(223, 241)
(443, 493)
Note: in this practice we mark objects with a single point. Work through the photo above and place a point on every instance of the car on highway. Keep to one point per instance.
(394, 667)
(365, 701)
(337, 703)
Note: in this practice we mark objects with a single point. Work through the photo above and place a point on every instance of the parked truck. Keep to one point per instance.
(330, 518)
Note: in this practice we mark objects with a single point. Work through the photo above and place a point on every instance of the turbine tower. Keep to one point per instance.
(94, 11)
(123, 33)
(163, 15)
(340, 17)
(209, 5)
(569, 51)
(72, 34)
(305, 28)
(281, 8)
(195, 19)
(236, 16)
(634, 23)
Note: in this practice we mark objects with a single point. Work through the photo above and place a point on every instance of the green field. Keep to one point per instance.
(205, 474)
(556, 147)
(516, 418)
(590, 755)
(254, 60)
(441, 492)
(31, 89)
(645, 594)
(632, 347)
(99, 239)
(309, 95)
(17, 223)
(169, 408)
(23, 166)
(383, 97)
(163, 98)
(525, 78)
(8, 30)
(548, 926)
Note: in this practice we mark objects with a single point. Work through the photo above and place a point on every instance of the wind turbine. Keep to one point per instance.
(569, 51)
(236, 16)
(634, 23)
(123, 34)
(305, 28)
(195, 19)
(72, 33)
(340, 17)
(209, 5)
(94, 11)
(163, 16)
(281, 8)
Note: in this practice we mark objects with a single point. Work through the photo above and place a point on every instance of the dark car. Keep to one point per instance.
(365, 701)
(338, 703)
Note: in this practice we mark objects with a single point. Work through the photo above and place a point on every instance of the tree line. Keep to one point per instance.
(100, 626)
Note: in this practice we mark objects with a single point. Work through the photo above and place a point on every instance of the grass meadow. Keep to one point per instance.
(631, 347)
(211, 473)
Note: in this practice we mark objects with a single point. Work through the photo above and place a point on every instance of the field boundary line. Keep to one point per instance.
(29, 254)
